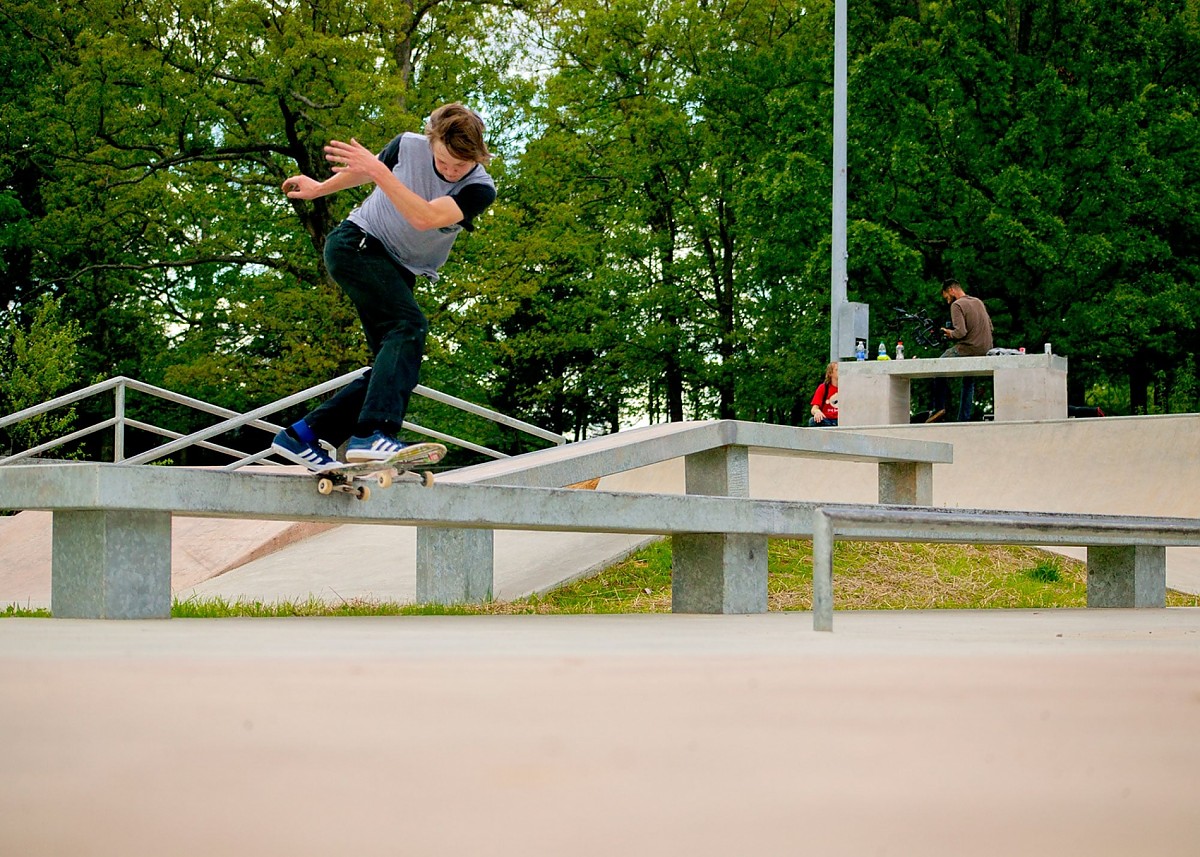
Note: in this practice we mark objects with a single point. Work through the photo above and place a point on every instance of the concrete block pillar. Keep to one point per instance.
(906, 483)
(111, 565)
(872, 400)
(1127, 576)
(454, 566)
(1030, 394)
(718, 572)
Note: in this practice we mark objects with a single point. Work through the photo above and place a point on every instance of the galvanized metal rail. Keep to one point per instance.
(1126, 554)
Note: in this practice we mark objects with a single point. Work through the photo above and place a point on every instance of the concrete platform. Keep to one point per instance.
(905, 733)
(1026, 386)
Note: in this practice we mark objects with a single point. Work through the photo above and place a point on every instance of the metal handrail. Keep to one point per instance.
(233, 420)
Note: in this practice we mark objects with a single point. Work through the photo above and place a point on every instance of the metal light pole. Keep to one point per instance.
(837, 293)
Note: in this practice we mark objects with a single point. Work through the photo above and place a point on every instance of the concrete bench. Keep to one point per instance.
(879, 392)
(1126, 554)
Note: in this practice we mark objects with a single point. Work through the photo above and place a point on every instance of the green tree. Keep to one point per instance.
(1043, 153)
(37, 363)
(149, 154)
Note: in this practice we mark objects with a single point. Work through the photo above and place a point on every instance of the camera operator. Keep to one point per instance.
(971, 330)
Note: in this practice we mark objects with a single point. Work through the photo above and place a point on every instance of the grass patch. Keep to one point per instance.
(17, 611)
(222, 608)
(867, 576)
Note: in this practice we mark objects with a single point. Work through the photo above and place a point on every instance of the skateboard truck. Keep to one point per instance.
(350, 478)
(336, 480)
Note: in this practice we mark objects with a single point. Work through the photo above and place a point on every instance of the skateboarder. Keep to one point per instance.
(428, 188)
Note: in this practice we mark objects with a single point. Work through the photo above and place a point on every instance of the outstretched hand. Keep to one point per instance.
(354, 165)
(352, 157)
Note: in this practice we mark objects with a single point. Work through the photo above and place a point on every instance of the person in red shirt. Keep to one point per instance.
(825, 400)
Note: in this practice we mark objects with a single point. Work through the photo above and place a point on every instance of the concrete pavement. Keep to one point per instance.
(904, 733)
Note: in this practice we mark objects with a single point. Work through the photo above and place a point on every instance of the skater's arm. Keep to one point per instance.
(303, 187)
(420, 213)
(356, 160)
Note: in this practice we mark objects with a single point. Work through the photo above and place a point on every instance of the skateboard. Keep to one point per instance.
(351, 478)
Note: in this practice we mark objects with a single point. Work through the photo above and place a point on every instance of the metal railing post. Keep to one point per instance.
(119, 426)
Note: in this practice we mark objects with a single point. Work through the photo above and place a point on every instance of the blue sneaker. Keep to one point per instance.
(311, 456)
(377, 447)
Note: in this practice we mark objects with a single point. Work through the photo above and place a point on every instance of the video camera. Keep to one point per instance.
(926, 332)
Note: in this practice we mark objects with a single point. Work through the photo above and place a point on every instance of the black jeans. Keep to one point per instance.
(941, 392)
(382, 291)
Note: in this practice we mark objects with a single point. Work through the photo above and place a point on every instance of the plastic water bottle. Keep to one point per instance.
(900, 349)
(883, 355)
(860, 350)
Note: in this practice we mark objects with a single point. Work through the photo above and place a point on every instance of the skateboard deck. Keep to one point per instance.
(353, 478)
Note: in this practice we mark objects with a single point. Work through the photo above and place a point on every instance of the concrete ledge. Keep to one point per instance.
(1126, 553)
(215, 494)
(452, 566)
(136, 504)
(628, 450)
(936, 367)
(112, 530)
(1027, 386)
(719, 448)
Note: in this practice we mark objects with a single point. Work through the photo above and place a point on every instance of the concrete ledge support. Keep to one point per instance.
(111, 565)
(454, 566)
(720, 472)
(873, 400)
(905, 483)
(1030, 394)
(713, 572)
(1132, 576)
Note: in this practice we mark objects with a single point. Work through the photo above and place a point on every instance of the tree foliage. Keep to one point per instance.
(37, 364)
(660, 246)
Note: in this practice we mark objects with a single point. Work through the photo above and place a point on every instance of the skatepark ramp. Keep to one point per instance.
(113, 523)
(112, 528)
(1117, 465)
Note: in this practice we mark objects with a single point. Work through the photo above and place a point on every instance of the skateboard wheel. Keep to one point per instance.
(427, 479)
(385, 480)
(325, 486)
(363, 492)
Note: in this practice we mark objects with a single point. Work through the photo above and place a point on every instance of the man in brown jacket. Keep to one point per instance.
(971, 330)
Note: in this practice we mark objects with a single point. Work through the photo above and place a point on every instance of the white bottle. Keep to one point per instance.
(900, 349)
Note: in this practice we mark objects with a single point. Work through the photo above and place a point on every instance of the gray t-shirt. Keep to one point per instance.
(411, 161)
